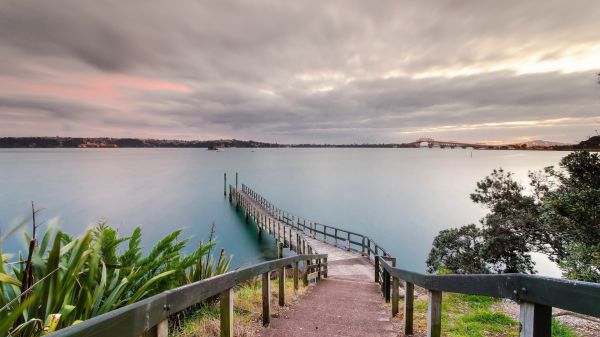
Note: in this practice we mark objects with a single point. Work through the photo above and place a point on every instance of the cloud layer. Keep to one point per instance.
(305, 71)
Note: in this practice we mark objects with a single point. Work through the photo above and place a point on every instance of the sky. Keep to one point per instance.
(301, 71)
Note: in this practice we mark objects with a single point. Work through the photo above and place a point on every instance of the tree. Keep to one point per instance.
(571, 208)
(458, 250)
(560, 218)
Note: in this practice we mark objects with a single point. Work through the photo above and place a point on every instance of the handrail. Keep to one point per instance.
(356, 242)
(151, 314)
(271, 224)
(536, 294)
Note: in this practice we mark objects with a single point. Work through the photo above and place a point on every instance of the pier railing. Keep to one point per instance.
(285, 234)
(336, 236)
(149, 317)
(536, 295)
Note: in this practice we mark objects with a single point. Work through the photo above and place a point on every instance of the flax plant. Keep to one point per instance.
(73, 279)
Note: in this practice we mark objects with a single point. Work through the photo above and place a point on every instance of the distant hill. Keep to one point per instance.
(591, 143)
(71, 142)
(541, 143)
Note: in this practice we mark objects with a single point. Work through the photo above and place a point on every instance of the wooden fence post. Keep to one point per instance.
(319, 266)
(409, 300)
(159, 330)
(349, 244)
(362, 246)
(535, 320)
(296, 273)
(326, 267)
(386, 286)
(226, 299)
(281, 286)
(306, 272)
(266, 298)
(376, 269)
(434, 313)
(395, 295)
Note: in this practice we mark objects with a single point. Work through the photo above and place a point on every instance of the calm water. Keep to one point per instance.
(400, 197)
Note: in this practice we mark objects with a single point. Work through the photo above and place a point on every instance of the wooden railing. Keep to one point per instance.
(536, 295)
(336, 236)
(286, 235)
(149, 317)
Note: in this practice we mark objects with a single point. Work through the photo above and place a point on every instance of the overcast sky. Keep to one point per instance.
(301, 71)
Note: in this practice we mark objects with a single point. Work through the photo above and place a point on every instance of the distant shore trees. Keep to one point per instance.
(560, 217)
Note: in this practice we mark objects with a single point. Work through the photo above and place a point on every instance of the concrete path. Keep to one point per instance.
(335, 307)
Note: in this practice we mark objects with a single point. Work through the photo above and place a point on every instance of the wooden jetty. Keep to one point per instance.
(354, 277)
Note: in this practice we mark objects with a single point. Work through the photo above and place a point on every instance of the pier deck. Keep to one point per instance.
(346, 303)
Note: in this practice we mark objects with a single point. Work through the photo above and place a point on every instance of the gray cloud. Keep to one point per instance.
(302, 71)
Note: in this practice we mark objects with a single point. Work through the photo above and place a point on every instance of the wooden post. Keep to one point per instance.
(236, 181)
(386, 286)
(362, 246)
(159, 330)
(409, 300)
(324, 233)
(335, 232)
(434, 313)
(376, 269)
(306, 272)
(279, 250)
(226, 299)
(266, 298)
(281, 286)
(395, 295)
(535, 320)
(319, 266)
(326, 267)
(225, 184)
(296, 273)
(369, 247)
(349, 244)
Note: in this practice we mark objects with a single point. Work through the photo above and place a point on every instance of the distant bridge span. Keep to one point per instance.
(430, 142)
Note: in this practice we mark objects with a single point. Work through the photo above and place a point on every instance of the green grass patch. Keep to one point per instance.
(561, 330)
(476, 316)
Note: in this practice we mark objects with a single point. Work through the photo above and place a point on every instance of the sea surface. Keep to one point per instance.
(400, 197)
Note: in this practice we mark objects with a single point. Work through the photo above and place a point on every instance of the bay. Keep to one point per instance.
(400, 197)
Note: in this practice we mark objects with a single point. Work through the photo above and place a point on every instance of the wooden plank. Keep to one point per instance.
(226, 299)
(266, 298)
(535, 320)
(296, 274)
(282, 286)
(387, 286)
(395, 296)
(434, 313)
(409, 298)
(376, 269)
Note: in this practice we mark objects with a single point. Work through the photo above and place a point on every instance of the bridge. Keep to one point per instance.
(430, 142)
(353, 278)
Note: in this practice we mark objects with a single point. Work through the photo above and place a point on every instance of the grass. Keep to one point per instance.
(475, 316)
(247, 313)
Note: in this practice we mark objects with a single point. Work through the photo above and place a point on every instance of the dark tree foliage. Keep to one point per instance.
(560, 218)
(458, 250)
(570, 206)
